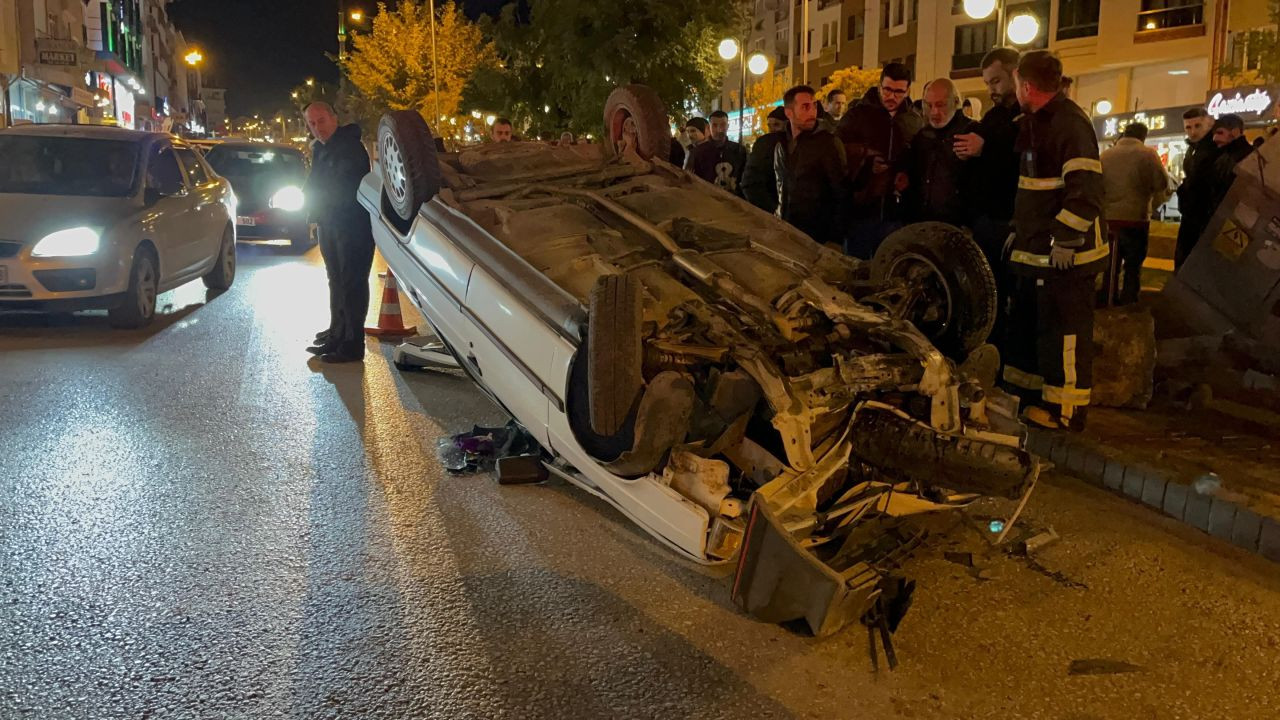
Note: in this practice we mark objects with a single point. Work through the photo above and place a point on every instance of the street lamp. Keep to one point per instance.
(758, 64)
(311, 82)
(194, 57)
(1022, 29)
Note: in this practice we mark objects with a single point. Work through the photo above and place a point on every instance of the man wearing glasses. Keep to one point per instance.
(876, 134)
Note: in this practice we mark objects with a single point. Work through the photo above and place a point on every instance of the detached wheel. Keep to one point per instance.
(949, 290)
(614, 352)
(138, 308)
(224, 270)
(407, 157)
(637, 112)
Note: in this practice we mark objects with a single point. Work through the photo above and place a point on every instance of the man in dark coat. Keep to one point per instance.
(876, 133)
(720, 161)
(1228, 135)
(1194, 194)
(941, 184)
(759, 184)
(811, 171)
(339, 162)
(991, 144)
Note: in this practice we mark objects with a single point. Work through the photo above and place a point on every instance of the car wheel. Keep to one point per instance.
(945, 286)
(407, 156)
(224, 269)
(138, 308)
(649, 129)
(615, 352)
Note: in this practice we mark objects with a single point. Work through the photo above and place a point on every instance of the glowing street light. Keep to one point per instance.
(357, 16)
(728, 48)
(1102, 107)
(194, 57)
(979, 9)
(311, 82)
(758, 64)
(1023, 29)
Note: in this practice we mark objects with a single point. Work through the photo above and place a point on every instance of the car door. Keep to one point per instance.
(167, 222)
(209, 215)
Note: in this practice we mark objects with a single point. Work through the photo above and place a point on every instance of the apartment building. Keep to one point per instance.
(89, 61)
(1124, 55)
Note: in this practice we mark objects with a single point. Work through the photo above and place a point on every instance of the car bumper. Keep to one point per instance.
(271, 225)
(94, 281)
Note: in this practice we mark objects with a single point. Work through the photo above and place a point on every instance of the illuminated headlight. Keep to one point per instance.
(289, 199)
(72, 242)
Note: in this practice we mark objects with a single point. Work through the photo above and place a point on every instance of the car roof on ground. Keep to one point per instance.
(92, 132)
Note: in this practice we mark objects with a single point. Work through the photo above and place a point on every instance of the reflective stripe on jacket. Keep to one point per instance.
(1060, 190)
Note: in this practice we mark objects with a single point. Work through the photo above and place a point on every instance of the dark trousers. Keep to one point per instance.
(991, 235)
(1129, 241)
(1048, 352)
(1189, 231)
(348, 257)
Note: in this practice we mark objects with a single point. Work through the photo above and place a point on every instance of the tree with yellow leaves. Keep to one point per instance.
(391, 66)
(762, 96)
(854, 81)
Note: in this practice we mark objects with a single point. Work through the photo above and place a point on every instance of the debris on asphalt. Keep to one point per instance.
(480, 449)
(1039, 541)
(959, 558)
(1102, 666)
(521, 470)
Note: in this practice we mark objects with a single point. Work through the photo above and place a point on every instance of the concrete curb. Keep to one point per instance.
(1154, 488)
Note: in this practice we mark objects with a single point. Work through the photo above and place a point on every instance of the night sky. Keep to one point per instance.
(260, 49)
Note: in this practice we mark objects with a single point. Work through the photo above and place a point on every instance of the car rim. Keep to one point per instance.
(393, 172)
(931, 307)
(146, 289)
(228, 258)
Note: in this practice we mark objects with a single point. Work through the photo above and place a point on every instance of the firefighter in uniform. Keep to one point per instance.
(1057, 250)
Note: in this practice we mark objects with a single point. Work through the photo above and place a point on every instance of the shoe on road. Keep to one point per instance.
(344, 355)
(322, 337)
(323, 348)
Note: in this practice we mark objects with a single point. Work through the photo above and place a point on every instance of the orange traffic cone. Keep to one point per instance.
(390, 323)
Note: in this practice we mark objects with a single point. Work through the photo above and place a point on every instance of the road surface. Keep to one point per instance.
(196, 521)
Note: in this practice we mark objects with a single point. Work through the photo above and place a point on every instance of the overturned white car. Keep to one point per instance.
(739, 391)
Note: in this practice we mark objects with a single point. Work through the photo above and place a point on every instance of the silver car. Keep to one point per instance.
(107, 218)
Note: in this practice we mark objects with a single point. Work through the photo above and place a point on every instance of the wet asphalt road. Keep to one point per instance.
(196, 522)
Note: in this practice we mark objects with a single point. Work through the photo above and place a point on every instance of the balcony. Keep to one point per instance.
(1172, 20)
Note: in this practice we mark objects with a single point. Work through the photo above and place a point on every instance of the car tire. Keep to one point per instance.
(224, 268)
(614, 352)
(138, 308)
(407, 158)
(951, 267)
(642, 104)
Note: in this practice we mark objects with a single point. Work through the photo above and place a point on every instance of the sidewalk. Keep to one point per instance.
(1163, 458)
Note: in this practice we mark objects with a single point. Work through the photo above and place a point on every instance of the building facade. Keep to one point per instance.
(1125, 56)
(116, 62)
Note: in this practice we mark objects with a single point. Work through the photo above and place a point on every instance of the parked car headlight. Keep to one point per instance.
(72, 242)
(289, 199)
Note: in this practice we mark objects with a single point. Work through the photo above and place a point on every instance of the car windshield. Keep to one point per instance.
(240, 162)
(39, 165)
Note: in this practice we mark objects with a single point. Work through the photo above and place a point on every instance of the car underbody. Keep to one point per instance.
(776, 383)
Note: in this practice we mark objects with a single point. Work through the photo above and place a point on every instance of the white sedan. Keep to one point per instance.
(741, 392)
(100, 217)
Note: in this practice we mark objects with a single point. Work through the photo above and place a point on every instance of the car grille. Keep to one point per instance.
(14, 291)
(9, 248)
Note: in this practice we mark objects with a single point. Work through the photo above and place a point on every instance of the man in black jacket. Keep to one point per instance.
(1194, 202)
(811, 171)
(1228, 135)
(942, 185)
(339, 162)
(992, 144)
(876, 133)
(720, 161)
(759, 184)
